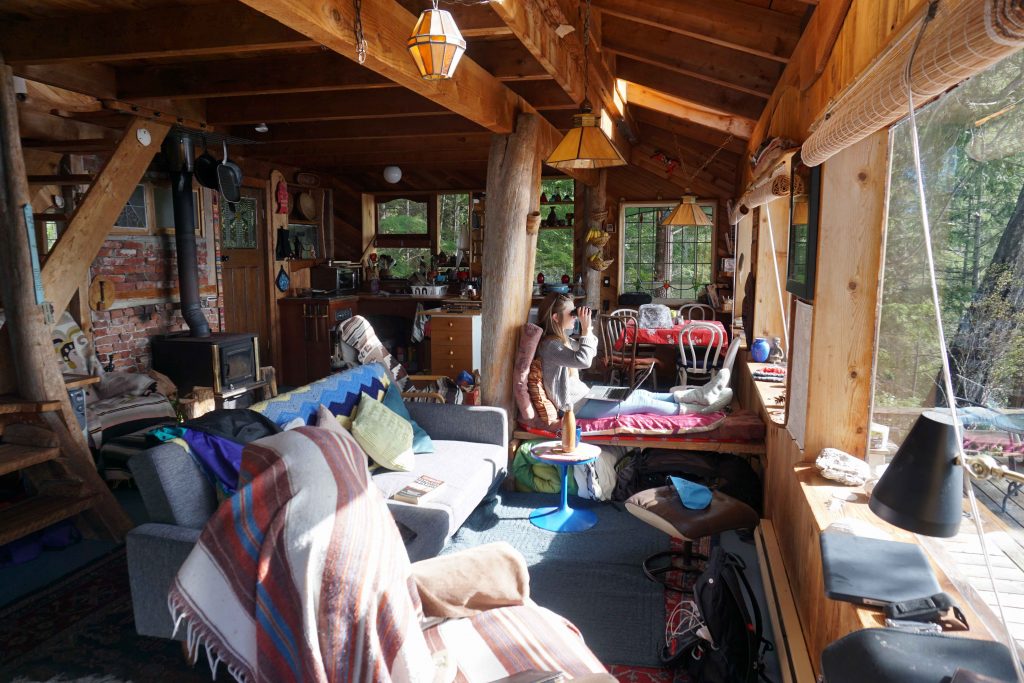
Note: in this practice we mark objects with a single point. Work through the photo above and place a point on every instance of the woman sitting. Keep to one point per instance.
(563, 357)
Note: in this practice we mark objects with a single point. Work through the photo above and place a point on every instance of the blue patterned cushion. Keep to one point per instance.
(340, 392)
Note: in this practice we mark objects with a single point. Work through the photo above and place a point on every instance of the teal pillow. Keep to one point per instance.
(421, 441)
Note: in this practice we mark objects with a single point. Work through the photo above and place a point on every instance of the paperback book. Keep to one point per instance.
(421, 489)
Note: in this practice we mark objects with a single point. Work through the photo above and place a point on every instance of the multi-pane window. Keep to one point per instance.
(555, 240)
(672, 263)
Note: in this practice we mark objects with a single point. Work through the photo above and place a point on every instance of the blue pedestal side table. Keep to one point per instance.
(563, 518)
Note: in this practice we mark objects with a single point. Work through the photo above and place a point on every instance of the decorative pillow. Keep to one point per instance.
(421, 441)
(357, 333)
(325, 419)
(546, 413)
(384, 434)
(73, 348)
(529, 338)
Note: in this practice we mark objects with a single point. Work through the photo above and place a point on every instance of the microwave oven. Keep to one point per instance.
(335, 279)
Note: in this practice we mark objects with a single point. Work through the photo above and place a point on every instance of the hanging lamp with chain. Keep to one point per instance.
(585, 145)
(436, 44)
(688, 212)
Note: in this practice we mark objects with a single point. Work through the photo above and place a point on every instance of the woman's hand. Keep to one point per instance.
(585, 315)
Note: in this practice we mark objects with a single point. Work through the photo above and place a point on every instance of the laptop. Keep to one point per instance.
(617, 394)
(871, 571)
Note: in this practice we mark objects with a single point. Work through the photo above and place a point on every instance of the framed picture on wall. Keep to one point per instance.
(805, 200)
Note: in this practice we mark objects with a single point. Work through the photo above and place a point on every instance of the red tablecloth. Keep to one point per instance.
(670, 335)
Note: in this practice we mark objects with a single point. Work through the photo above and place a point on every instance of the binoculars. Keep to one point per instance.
(576, 311)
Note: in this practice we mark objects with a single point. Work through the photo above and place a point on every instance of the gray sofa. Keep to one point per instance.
(470, 456)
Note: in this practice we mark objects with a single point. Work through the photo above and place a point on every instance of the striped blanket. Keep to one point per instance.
(302, 576)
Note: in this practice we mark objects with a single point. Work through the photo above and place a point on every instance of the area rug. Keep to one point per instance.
(82, 626)
(593, 578)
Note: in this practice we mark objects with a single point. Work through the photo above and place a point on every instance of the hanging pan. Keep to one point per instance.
(229, 178)
(205, 169)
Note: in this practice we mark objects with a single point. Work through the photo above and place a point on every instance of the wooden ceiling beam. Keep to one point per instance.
(356, 129)
(383, 146)
(358, 104)
(692, 153)
(534, 23)
(178, 30)
(98, 80)
(377, 162)
(641, 160)
(684, 176)
(730, 23)
(640, 96)
(705, 61)
(735, 147)
(702, 93)
(475, 20)
(474, 94)
(319, 71)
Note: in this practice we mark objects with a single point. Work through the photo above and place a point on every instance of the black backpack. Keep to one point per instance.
(731, 647)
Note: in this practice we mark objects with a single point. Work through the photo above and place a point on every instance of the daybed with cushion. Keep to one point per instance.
(740, 431)
(469, 456)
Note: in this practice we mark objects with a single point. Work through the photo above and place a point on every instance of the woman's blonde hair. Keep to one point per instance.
(554, 303)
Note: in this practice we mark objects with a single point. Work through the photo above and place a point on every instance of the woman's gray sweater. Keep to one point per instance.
(562, 363)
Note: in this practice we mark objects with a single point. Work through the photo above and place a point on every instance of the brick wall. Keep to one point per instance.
(145, 274)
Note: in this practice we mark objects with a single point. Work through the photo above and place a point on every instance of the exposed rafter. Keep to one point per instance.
(729, 23)
(355, 129)
(476, 94)
(697, 92)
(155, 32)
(735, 147)
(715, 64)
(640, 96)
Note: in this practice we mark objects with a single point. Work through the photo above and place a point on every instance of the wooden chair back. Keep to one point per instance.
(619, 345)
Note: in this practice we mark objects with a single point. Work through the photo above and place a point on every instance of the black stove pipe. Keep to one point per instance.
(179, 156)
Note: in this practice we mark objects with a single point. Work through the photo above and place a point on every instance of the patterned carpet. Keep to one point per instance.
(83, 626)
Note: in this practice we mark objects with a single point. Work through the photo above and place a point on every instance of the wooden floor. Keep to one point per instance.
(1004, 535)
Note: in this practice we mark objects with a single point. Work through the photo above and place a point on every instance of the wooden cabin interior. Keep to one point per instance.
(217, 205)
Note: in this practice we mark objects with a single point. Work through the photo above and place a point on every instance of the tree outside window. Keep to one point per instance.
(671, 263)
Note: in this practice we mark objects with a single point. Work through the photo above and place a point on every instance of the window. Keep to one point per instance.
(973, 166)
(555, 243)
(454, 222)
(135, 216)
(672, 263)
(402, 216)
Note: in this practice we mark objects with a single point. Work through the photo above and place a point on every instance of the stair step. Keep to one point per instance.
(9, 403)
(14, 457)
(39, 512)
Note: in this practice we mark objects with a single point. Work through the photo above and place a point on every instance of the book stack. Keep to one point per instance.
(421, 489)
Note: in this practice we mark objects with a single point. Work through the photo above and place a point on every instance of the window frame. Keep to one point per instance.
(663, 204)
(429, 240)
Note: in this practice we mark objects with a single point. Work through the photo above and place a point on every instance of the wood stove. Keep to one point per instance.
(226, 362)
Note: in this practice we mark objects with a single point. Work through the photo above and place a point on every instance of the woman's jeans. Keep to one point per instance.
(640, 401)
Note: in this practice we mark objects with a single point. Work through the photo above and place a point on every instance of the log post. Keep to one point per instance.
(597, 215)
(513, 191)
(38, 376)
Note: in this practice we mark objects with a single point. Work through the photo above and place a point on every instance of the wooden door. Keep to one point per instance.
(243, 266)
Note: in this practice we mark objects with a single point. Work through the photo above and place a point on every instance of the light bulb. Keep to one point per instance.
(392, 174)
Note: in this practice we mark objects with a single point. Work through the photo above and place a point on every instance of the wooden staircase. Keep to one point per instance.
(35, 452)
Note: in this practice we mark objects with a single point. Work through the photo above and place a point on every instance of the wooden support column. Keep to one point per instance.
(92, 220)
(596, 216)
(36, 368)
(850, 242)
(513, 181)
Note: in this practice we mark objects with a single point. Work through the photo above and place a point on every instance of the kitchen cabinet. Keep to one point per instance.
(307, 340)
(454, 343)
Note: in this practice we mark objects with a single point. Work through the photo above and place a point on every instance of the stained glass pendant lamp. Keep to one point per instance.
(585, 145)
(687, 213)
(436, 44)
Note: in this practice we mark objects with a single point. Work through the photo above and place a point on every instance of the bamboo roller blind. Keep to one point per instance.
(964, 38)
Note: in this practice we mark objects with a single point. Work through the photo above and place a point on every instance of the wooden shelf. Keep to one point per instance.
(303, 221)
(14, 457)
(39, 512)
(15, 404)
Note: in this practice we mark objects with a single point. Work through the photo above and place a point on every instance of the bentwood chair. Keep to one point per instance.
(698, 361)
(631, 312)
(619, 339)
(696, 312)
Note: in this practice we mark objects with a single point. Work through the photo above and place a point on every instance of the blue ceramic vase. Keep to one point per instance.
(759, 350)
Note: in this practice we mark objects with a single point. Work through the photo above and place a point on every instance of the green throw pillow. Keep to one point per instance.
(384, 434)
(421, 441)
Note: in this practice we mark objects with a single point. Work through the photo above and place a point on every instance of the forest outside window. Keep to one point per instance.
(671, 263)
(972, 155)
(407, 226)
